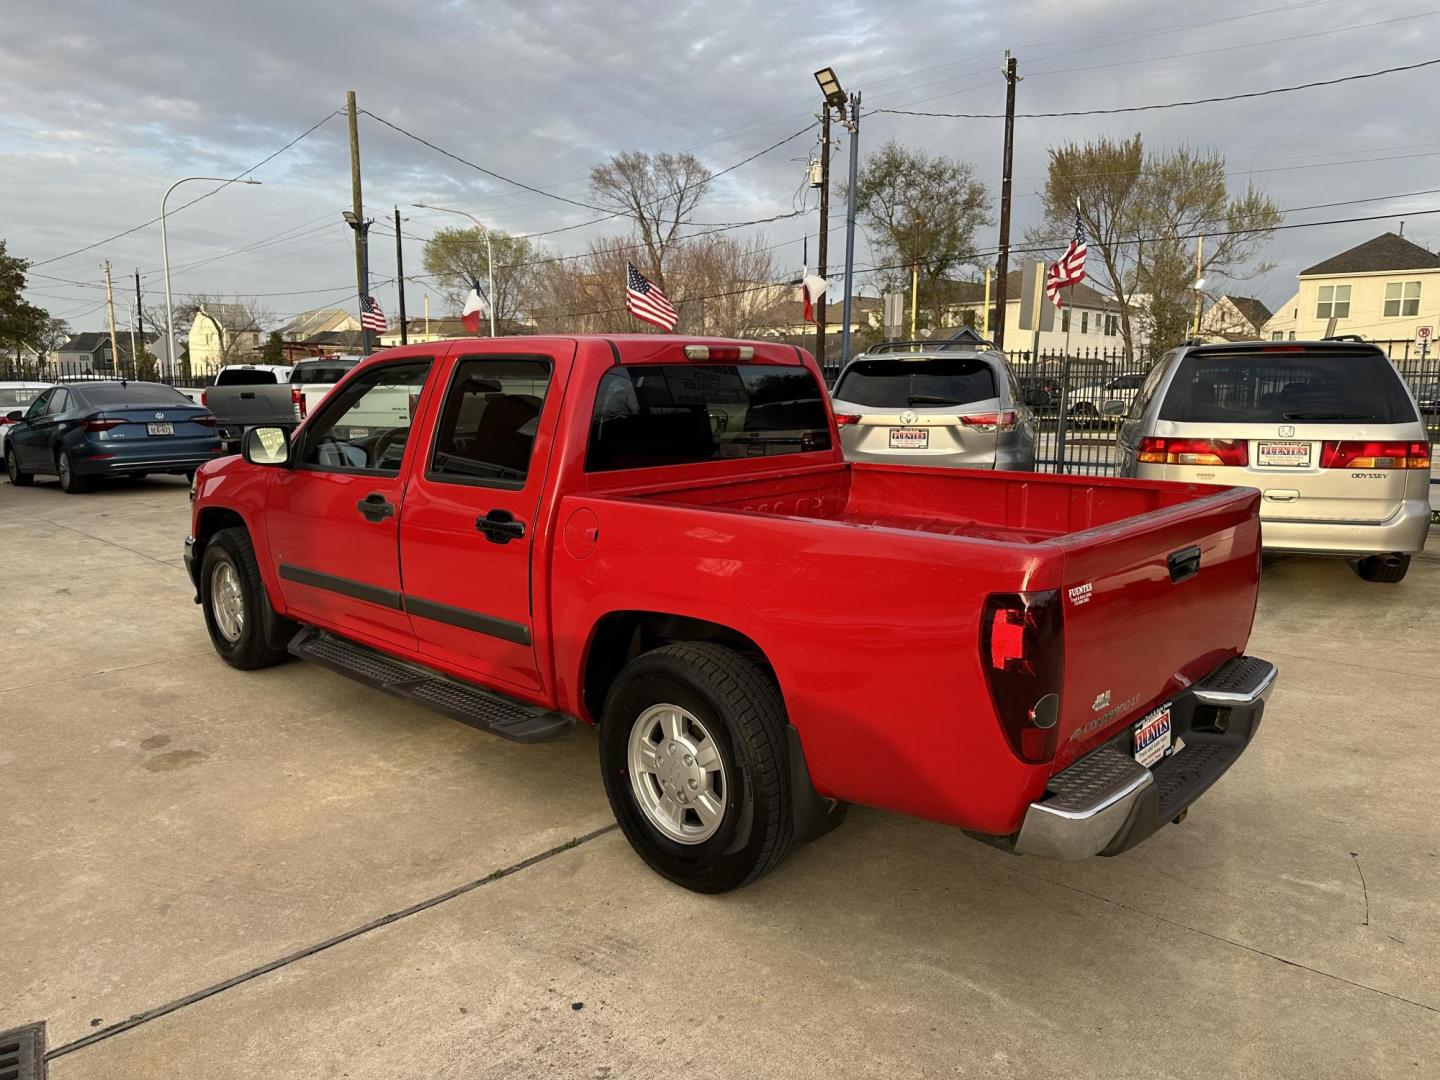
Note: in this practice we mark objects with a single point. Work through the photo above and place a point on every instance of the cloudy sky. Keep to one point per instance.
(103, 105)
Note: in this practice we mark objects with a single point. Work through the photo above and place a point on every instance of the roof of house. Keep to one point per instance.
(233, 317)
(1253, 310)
(792, 312)
(93, 341)
(314, 322)
(1388, 251)
(343, 338)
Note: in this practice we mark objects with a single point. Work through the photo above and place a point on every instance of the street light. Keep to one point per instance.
(165, 257)
(830, 87)
(489, 253)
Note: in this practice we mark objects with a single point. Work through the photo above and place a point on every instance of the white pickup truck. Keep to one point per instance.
(261, 395)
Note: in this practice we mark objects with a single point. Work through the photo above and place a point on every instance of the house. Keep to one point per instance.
(90, 351)
(318, 321)
(1235, 318)
(325, 343)
(222, 334)
(1088, 320)
(1382, 289)
(786, 318)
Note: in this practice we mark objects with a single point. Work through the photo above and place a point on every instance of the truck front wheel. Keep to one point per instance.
(235, 603)
(693, 755)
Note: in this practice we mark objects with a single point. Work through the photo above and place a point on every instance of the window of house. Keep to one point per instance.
(1084, 322)
(1112, 325)
(1065, 320)
(1277, 335)
(1333, 302)
(1402, 298)
(1292, 335)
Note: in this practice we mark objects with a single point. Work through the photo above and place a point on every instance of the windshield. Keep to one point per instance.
(1326, 386)
(13, 396)
(905, 384)
(672, 414)
(234, 376)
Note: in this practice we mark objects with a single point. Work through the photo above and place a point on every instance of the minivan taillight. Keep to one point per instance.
(1375, 455)
(1022, 649)
(297, 399)
(1162, 450)
(1004, 420)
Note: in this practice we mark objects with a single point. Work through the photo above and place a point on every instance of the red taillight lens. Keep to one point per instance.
(102, 425)
(845, 419)
(1022, 648)
(204, 421)
(993, 421)
(1155, 450)
(1375, 455)
(205, 398)
(297, 398)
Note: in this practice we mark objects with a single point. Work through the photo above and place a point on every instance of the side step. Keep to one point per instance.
(518, 721)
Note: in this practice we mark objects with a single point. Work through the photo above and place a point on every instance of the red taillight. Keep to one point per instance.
(204, 421)
(1375, 455)
(297, 398)
(205, 398)
(1157, 450)
(5, 420)
(719, 352)
(845, 419)
(991, 421)
(1022, 648)
(102, 425)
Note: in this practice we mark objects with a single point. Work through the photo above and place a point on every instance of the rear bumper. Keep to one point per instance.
(1403, 533)
(1106, 802)
(177, 459)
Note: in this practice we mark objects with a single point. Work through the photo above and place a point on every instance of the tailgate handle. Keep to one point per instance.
(1184, 563)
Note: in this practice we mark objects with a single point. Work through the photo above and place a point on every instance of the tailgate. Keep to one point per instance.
(1153, 604)
(251, 406)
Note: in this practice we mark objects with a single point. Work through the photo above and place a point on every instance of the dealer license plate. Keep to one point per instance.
(161, 429)
(1283, 455)
(909, 438)
(1152, 737)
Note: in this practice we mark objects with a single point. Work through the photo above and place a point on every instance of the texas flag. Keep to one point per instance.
(477, 307)
(812, 289)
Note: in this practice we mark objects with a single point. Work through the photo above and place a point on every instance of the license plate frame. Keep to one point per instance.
(1152, 736)
(909, 438)
(166, 428)
(1289, 456)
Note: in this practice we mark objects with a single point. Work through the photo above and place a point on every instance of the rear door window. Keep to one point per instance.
(672, 414)
(1285, 386)
(487, 426)
(917, 384)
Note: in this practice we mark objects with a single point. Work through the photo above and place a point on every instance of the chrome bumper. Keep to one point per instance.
(1107, 802)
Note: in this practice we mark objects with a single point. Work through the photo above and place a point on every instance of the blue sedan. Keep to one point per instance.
(81, 431)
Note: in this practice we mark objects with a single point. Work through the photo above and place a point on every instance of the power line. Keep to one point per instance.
(1170, 104)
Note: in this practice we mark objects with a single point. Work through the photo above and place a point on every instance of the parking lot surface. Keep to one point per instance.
(200, 868)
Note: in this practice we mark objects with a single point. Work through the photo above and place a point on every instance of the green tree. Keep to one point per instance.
(273, 351)
(922, 210)
(20, 321)
(457, 258)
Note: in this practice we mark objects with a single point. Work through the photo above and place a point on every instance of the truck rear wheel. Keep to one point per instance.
(235, 603)
(693, 755)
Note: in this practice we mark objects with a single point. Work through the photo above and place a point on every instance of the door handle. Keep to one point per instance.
(1184, 563)
(500, 526)
(375, 507)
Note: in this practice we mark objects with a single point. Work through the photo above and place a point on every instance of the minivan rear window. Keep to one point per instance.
(1324, 386)
(674, 414)
(916, 384)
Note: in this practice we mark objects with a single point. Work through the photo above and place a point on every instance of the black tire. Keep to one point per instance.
(1376, 568)
(70, 482)
(743, 711)
(250, 649)
(12, 468)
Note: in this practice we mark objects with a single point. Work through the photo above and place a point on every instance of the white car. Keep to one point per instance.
(16, 397)
(1088, 402)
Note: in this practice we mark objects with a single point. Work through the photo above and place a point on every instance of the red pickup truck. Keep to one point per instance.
(660, 536)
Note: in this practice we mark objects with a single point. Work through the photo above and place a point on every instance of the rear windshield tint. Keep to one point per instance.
(1273, 387)
(113, 394)
(12, 396)
(674, 414)
(318, 374)
(916, 384)
(245, 377)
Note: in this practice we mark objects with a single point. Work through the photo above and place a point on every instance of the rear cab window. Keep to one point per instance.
(232, 376)
(1285, 385)
(916, 384)
(319, 372)
(673, 414)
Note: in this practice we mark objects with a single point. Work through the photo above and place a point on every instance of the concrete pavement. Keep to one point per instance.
(199, 867)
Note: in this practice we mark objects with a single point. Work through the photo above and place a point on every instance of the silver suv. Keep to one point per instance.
(1325, 429)
(934, 403)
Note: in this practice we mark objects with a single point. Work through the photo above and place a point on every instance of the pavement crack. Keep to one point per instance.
(99, 539)
(135, 1021)
(1356, 856)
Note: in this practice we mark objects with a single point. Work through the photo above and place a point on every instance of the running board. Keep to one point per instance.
(518, 721)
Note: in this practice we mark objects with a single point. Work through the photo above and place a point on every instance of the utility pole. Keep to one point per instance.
(357, 221)
(1199, 281)
(1002, 262)
(853, 126)
(139, 320)
(400, 279)
(110, 306)
(824, 231)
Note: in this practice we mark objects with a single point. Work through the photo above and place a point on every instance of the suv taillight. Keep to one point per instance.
(1022, 649)
(1375, 455)
(845, 419)
(297, 399)
(991, 421)
(1157, 450)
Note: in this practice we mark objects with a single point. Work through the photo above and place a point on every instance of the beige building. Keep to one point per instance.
(1235, 318)
(1089, 320)
(319, 321)
(222, 334)
(1382, 289)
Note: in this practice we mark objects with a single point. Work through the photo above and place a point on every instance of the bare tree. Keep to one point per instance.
(659, 193)
(237, 321)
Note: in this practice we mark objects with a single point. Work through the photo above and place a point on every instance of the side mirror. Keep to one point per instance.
(14, 416)
(1037, 398)
(266, 446)
(1113, 408)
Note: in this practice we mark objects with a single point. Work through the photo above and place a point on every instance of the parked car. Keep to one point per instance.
(15, 398)
(763, 631)
(1326, 430)
(247, 395)
(929, 403)
(1088, 402)
(1427, 396)
(82, 431)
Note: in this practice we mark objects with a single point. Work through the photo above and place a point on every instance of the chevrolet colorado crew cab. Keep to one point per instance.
(660, 536)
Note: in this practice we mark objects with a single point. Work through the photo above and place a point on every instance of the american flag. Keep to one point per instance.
(645, 301)
(1069, 269)
(371, 317)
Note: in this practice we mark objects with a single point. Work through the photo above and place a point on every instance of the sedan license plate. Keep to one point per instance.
(1152, 737)
(909, 438)
(1283, 455)
(161, 429)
